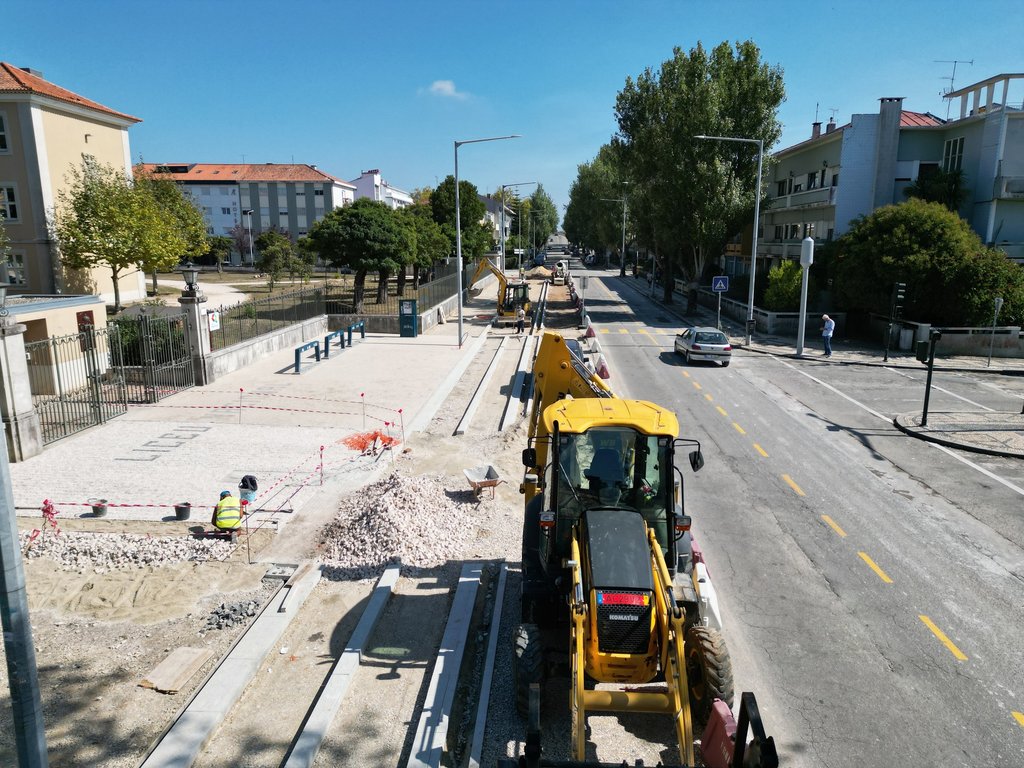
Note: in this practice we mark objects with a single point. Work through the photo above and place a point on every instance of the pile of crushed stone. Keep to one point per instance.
(407, 520)
(74, 550)
(228, 615)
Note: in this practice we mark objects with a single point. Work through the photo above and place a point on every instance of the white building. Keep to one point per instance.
(371, 185)
(286, 195)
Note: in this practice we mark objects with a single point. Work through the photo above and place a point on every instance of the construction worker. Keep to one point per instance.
(227, 515)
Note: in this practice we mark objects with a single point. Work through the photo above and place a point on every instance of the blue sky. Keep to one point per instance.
(350, 86)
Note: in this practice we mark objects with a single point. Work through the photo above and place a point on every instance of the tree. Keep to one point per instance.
(429, 240)
(939, 186)
(700, 192)
(180, 209)
(545, 216)
(276, 255)
(5, 241)
(593, 219)
(241, 238)
(476, 236)
(951, 277)
(366, 236)
(784, 282)
(421, 195)
(220, 250)
(102, 219)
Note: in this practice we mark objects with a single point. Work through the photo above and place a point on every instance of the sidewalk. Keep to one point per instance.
(995, 434)
(289, 430)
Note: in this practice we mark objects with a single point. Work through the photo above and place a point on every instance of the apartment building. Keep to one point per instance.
(45, 131)
(492, 216)
(257, 197)
(820, 185)
(371, 185)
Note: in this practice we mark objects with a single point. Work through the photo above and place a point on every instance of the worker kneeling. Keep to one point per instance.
(227, 515)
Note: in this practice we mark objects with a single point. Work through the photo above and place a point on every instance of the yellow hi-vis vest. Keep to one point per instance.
(229, 514)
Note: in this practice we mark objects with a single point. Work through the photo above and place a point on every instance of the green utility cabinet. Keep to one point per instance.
(407, 318)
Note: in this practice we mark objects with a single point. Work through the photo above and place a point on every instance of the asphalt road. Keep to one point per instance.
(870, 583)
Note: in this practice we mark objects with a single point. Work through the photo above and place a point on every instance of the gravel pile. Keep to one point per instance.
(228, 615)
(114, 551)
(410, 520)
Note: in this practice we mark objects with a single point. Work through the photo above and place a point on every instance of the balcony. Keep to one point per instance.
(811, 198)
(1009, 182)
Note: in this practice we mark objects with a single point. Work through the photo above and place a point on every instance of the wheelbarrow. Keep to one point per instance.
(485, 476)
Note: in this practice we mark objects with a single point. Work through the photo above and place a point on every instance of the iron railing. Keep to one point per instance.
(258, 317)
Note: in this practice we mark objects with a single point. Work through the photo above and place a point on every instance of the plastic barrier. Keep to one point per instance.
(315, 344)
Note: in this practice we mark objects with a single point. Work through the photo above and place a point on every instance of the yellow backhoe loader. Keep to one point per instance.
(609, 564)
(511, 296)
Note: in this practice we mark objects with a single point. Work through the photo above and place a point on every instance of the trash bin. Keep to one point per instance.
(247, 489)
(183, 511)
(99, 507)
(407, 318)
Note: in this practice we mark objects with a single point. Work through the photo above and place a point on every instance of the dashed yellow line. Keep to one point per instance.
(794, 486)
(874, 567)
(1019, 717)
(604, 330)
(707, 397)
(721, 410)
(687, 375)
(833, 525)
(623, 330)
(945, 640)
(696, 385)
(739, 429)
(643, 331)
(760, 450)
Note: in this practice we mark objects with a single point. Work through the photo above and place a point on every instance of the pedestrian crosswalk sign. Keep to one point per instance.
(720, 284)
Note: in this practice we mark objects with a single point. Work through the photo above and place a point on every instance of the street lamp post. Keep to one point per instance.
(503, 188)
(458, 218)
(248, 228)
(622, 254)
(757, 218)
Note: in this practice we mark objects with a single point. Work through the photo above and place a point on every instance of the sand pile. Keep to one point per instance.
(411, 520)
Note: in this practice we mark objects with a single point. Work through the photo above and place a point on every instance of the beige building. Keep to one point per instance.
(44, 132)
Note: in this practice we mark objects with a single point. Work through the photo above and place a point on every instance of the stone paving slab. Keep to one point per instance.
(993, 433)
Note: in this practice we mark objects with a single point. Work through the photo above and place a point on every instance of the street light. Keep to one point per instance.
(622, 255)
(190, 274)
(248, 228)
(458, 218)
(503, 188)
(757, 217)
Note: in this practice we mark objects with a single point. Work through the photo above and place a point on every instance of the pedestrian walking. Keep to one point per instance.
(826, 333)
(520, 320)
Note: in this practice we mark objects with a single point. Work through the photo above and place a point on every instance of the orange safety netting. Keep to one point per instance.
(365, 441)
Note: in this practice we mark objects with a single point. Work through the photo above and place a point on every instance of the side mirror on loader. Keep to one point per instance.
(529, 457)
(696, 460)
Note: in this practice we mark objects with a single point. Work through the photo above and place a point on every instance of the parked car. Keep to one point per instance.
(704, 344)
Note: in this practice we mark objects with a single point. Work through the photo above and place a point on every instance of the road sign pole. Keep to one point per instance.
(718, 323)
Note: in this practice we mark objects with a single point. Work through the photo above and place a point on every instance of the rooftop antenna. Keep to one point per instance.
(243, 159)
(815, 111)
(951, 78)
(833, 110)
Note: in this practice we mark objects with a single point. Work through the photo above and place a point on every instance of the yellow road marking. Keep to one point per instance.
(833, 525)
(761, 450)
(696, 385)
(943, 639)
(642, 330)
(739, 429)
(794, 486)
(721, 410)
(707, 397)
(623, 330)
(687, 375)
(1019, 717)
(604, 330)
(874, 567)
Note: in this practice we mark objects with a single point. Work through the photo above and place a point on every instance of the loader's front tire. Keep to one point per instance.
(527, 664)
(708, 671)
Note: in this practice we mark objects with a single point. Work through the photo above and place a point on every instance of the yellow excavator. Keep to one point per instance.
(511, 296)
(608, 560)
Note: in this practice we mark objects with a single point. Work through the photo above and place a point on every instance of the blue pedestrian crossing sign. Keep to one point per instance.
(720, 284)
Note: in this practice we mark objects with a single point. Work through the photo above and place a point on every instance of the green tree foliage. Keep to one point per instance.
(593, 219)
(477, 237)
(783, 294)
(220, 250)
(951, 277)
(5, 241)
(545, 216)
(698, 192)
(103, 219)
(939, 186)
(430, 243)
(180, 209)
(276, 255)
(366, 236)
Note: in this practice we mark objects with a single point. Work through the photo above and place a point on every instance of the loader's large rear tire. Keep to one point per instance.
(527, 665)
(708, 671)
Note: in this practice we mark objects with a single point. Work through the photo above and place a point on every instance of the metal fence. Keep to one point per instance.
(153, 356)
(438, 284)
(261, 316)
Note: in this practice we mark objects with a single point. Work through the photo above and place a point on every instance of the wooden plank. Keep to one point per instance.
(171, 674)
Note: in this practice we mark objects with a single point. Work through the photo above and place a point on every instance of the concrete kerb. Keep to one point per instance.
(481, 388)
(516, 392)
(905, 423)
(441, 393)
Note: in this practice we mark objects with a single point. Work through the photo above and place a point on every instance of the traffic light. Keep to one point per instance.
(899, 295)
(921, 351)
